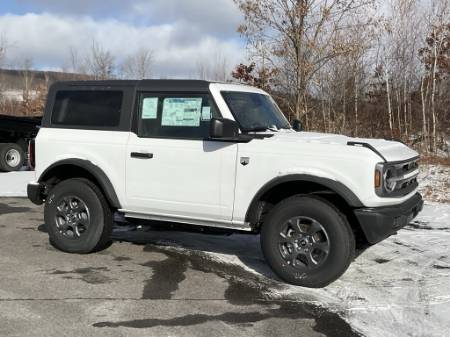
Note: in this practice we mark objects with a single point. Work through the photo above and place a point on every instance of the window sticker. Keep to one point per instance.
(150, 108)
(182, 111)
(206, 113)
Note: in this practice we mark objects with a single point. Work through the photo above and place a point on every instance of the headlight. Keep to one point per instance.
(389, 179)
(396, 179)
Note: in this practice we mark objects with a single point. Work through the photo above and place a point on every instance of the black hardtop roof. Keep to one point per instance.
(155, 85)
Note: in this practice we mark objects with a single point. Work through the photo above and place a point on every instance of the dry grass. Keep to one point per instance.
(429, 160)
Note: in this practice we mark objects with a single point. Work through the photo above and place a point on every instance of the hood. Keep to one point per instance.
(387, 149)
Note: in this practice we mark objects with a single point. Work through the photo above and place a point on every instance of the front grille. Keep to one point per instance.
(404, 175)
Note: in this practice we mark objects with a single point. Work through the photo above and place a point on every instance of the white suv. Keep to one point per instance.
(217, 155)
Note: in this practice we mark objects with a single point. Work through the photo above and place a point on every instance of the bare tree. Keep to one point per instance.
(399, 44)
(213, 67)
(3, 48)
(347, 77)
(298, 35)
(100, 63)
(388, 76)
(28, 77)
(76, 64)
(139, 65)
(435, 56)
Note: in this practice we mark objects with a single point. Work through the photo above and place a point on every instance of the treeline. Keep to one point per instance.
(356, 67)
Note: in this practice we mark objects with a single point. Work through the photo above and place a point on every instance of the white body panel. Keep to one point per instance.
(288, 153)
(105, 149)
(203, 182)
(185, 178)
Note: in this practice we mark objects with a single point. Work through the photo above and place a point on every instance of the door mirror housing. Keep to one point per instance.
(225, 129)
(297, 125)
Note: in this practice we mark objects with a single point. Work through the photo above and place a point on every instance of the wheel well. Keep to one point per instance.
(282, 191)
(69, 171)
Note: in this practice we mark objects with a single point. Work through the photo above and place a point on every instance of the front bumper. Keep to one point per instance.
(379, 223)
(34, 192)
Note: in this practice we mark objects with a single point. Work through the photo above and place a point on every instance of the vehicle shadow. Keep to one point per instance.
(232, 246)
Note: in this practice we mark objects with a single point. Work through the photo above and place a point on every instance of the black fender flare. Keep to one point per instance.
(340, 189)
(94, 170)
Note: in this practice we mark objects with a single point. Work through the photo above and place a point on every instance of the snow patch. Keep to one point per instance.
(14, 184)
(17, 95)
(434, 182)
(399, 287)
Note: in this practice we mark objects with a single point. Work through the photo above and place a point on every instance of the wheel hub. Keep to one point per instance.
(72, 217)
(303, 243)
(12, 158)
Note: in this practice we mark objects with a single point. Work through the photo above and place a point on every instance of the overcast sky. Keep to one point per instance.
(181, 33)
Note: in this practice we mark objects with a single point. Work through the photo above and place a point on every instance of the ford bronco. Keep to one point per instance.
(216, 155)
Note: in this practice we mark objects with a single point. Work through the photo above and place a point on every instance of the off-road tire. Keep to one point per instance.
(12, 157)
(340, 237)
(98, 233)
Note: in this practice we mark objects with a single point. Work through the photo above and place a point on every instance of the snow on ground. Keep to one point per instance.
(399, 287)
(435, 182)
(14, 184)
(17, 95)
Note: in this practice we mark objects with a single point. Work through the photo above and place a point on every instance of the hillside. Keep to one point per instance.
(13, 80)
(24, 92)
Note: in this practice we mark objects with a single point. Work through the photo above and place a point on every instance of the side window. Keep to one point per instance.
(176, 116)
(87, 108)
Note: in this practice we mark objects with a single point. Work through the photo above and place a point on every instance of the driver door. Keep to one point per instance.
(173, 171)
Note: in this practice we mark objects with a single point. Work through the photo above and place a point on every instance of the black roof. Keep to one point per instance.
(152, 85)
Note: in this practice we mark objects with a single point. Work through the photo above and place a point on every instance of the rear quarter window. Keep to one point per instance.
(87, 108)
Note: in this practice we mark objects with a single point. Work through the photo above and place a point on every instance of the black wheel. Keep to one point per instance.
(307, 241)
(78, 217)
(12, 157)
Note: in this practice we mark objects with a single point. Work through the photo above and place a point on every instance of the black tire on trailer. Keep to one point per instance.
(12, 157)
(307, 241)
(23, 143)
(78, 218)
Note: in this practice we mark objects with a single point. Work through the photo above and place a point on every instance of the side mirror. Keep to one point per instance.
(297, 125)
(222, 128)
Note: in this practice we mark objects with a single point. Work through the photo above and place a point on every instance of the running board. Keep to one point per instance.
(198, 222)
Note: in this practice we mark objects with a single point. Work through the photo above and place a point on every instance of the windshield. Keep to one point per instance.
(255, 112)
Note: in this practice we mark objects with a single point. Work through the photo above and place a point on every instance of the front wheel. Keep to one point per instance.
(78, 217)
(307, 241)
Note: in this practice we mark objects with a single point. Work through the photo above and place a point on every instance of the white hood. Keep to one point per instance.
(390, 150)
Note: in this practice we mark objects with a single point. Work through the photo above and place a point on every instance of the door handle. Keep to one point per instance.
(141, 155)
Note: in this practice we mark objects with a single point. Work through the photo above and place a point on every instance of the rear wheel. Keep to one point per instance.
(78, 217)
(12, 157)
(307, 241)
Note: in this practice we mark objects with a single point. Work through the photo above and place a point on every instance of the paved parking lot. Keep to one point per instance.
(148, 283)
(159, 282)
